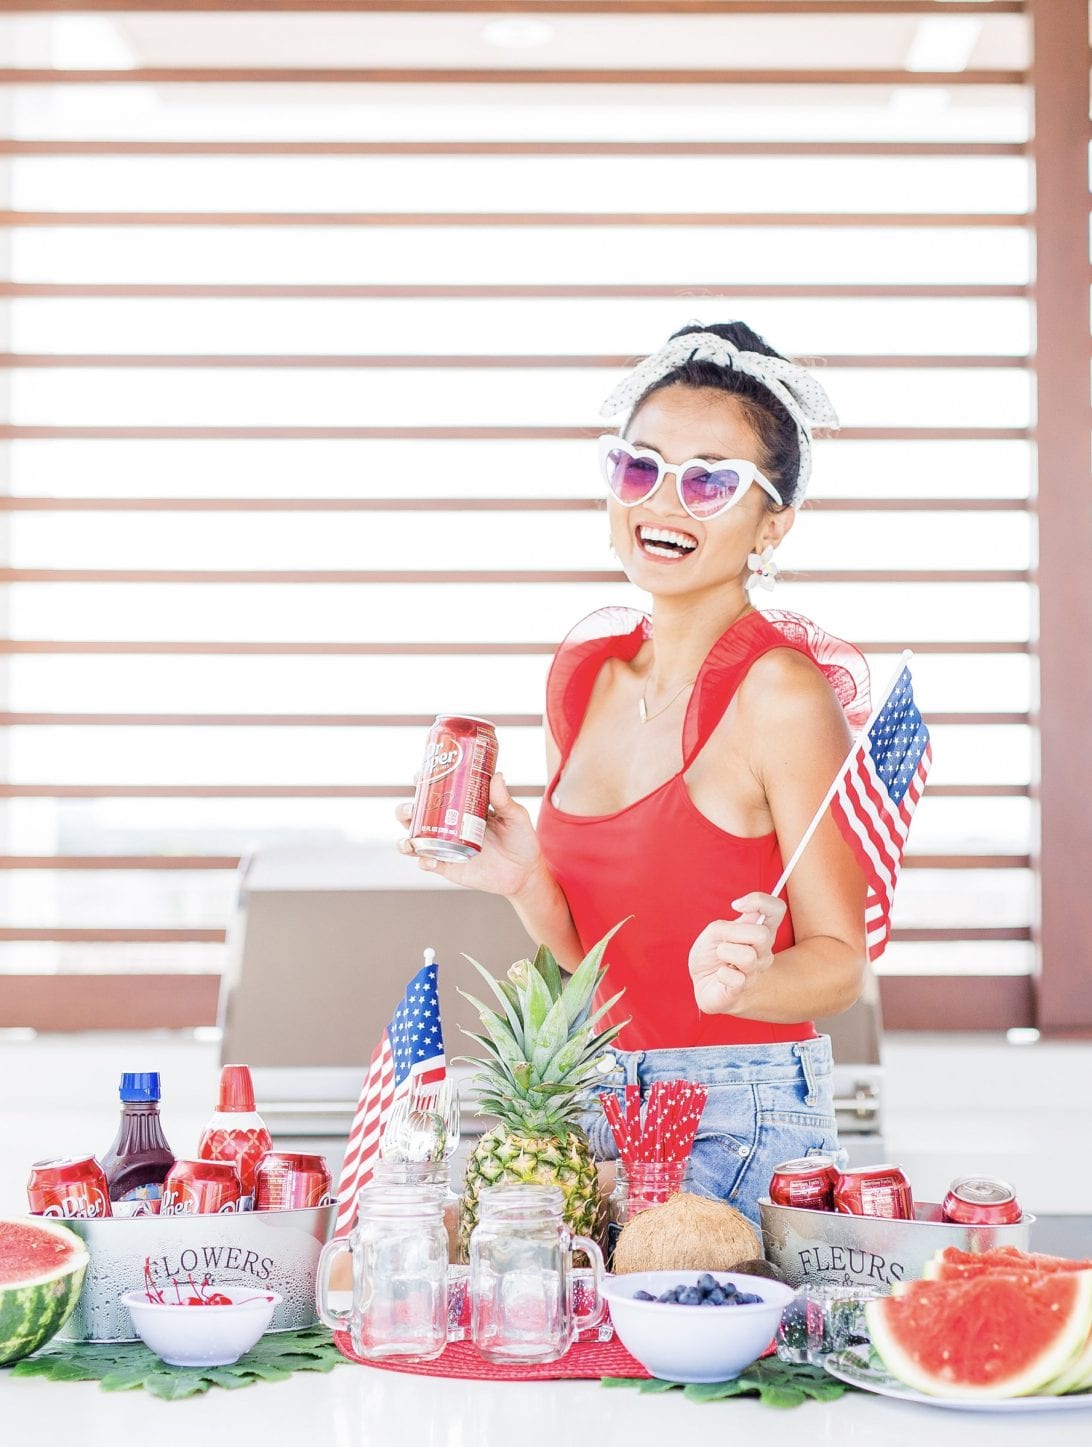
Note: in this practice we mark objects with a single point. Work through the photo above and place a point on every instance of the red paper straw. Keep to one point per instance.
(633, 1113)
(613, 1112)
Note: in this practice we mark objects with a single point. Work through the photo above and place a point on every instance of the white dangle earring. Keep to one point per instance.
(764, 570)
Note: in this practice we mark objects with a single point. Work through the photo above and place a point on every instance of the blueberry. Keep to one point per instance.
(707, 1301)
(643, 1296)
(729, 1288)
(706, 1282)
(691, 1296)
(668, 1295)
(716, 1296)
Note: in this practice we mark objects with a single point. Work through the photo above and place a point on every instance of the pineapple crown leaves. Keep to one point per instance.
(581, 1049)
(502, 1043)
(541, 1057)
(550, 1036)
(539, 1007)
(537, 1002)
(550, 971)
(508, 997)
(585, 978)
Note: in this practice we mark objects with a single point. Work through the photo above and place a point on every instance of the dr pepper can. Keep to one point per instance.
(807, 1184)
(68, 1187)
(290, 1181)
(452, 800)
(200, 1188)
(981, 1201)
(875, 1191)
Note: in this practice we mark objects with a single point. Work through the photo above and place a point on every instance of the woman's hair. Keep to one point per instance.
(775, 429)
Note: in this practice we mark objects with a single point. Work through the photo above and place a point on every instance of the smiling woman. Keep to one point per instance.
(687, 753)
(305, 310)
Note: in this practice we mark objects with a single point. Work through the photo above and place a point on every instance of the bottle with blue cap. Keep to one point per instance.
(137, 1162)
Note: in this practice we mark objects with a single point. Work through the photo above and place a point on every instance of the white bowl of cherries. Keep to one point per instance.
(202, 1327)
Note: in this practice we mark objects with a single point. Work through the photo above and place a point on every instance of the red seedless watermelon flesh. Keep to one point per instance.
(951, 1264)
(993, 1336)
(42, 1265)
(34, 1250)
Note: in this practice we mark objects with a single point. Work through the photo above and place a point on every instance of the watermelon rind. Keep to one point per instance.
(887, 1331)
(34, 1308)
(1076, 1377)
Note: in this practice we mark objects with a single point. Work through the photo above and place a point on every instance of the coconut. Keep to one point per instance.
(686, 1233)
(759, 1267)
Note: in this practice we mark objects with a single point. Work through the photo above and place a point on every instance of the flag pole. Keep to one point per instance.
(904, 658)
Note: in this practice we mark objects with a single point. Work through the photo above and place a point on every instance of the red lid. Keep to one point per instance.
(236, 1088)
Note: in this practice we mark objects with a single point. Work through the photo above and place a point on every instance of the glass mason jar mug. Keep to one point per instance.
(399, 1250)
(425, 1173)
(521, 1276)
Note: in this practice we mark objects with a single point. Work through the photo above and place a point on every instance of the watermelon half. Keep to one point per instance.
(42, 1266)
(992, 1336)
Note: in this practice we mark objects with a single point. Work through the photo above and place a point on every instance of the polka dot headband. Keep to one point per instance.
(795, 388)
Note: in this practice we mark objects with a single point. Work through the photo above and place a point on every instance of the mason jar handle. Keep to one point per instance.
(335, 1320)
(582, 1320)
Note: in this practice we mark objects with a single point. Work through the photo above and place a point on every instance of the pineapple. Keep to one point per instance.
(540, 1058)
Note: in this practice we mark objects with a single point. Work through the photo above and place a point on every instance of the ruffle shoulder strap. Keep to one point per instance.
(607, 633)
(727, 662)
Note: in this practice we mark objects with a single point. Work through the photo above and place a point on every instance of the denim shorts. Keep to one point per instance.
(766, 1104)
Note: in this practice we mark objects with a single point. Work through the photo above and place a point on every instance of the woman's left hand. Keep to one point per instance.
(729, 952)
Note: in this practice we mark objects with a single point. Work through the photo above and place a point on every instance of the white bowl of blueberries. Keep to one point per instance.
(695, 1326)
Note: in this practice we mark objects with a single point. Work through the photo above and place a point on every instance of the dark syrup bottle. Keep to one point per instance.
(139, 1158)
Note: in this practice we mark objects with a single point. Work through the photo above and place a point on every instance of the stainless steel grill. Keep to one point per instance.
(321, 947)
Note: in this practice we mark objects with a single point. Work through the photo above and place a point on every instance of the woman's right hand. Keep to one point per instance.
(510, 855)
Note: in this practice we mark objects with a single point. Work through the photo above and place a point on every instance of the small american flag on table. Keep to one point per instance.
(875, 798)
(410, 1055)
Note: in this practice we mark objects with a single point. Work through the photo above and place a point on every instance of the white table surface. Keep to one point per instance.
(358, 1406)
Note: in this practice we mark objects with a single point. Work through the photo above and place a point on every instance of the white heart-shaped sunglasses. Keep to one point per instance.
(706, 489)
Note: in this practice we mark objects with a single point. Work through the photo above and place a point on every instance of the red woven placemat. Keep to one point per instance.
(586, 1359)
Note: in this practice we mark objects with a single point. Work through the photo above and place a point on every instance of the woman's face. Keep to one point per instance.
(680, 423)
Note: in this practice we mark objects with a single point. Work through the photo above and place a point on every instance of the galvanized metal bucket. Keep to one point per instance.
(267, 1250)
(870, 1251)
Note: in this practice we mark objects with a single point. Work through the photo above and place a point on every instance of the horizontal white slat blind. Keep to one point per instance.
(306, 320)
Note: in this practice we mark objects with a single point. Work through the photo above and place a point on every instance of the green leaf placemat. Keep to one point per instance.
(123, 1366)
(776, 1384)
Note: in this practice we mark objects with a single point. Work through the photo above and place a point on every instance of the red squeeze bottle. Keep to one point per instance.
(236, 1133)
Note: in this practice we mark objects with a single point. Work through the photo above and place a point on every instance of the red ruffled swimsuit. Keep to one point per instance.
(660, 859)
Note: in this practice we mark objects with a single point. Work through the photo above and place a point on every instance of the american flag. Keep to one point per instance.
(875, 798)
(410, 1054)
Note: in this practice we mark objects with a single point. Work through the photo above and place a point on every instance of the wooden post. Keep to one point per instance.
(1059, 76)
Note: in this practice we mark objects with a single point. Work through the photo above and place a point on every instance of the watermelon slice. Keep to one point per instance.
(951, 1264)
(992, 1336)
(42, 1266)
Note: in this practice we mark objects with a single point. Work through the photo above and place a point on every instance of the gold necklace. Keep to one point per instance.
(642, 707)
